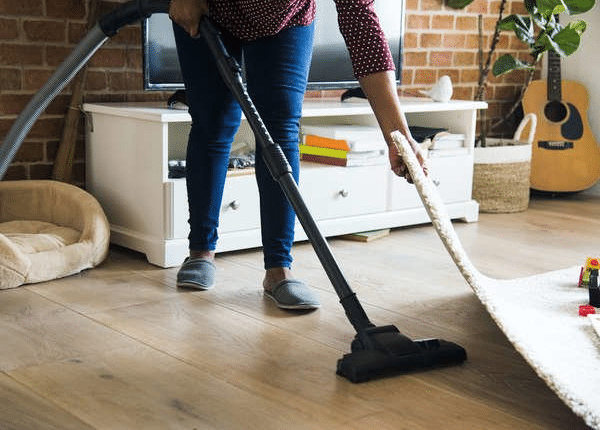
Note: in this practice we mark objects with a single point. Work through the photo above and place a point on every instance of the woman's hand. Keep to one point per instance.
(187, 13)
(397, 163)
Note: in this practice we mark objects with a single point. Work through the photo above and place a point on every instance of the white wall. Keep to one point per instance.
(584, 66)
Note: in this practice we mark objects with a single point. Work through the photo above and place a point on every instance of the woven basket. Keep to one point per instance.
(501, 173)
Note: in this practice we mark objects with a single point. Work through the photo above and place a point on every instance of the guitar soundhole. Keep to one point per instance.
(555, 111)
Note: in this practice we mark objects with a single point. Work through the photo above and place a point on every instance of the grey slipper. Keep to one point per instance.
(293, 294)
(198, 273)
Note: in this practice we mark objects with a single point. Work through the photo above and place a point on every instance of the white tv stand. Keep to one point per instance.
(129, 145)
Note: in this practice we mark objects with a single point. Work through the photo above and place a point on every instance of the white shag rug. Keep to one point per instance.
(539, 314)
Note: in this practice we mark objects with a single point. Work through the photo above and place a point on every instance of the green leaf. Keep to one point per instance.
(507, 63)
(458, 4)
(575, 7)
(550, 7)
(579, 26)
(566, 41)
(521, 25)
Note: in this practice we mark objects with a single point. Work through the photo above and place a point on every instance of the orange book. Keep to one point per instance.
(325, 142)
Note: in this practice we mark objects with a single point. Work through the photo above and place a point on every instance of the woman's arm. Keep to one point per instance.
(373, 65)
(380, 89)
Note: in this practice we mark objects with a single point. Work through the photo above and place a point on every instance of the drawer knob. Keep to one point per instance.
(344, 193)
(235, 205)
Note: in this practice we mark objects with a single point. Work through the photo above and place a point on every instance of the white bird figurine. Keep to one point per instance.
(441, 91)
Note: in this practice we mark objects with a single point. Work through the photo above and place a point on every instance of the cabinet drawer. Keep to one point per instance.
(239, 207)
(452, 175)
(402, 194)
(332, 192)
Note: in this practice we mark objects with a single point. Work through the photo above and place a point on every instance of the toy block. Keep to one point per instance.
(585, 310)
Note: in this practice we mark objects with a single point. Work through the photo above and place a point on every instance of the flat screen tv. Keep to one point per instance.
(330, 68)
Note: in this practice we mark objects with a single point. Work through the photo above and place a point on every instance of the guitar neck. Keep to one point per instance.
(554, 78)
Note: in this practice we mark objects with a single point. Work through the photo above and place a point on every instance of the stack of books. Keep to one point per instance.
(343, 145)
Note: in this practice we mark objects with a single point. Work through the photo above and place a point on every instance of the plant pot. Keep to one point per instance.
(502, 170)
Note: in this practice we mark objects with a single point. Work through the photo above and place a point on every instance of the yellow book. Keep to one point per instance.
(327, 152)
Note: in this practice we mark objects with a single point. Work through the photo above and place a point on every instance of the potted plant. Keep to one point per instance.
(502, 166)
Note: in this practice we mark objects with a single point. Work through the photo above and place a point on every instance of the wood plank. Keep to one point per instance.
(22, 409)
(34, 330)
(103, 289)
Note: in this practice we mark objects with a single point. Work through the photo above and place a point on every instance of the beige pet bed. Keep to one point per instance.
(48, 230)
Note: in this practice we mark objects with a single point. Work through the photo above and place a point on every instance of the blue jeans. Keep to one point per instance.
(276, 76)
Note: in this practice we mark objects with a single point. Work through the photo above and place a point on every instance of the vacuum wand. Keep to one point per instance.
(376, 351)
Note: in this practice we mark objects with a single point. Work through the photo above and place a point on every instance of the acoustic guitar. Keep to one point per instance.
(565, 155)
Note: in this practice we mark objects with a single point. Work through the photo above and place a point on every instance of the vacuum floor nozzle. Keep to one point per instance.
(384, 351)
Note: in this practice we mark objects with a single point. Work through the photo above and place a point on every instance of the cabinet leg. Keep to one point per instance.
(471, 212)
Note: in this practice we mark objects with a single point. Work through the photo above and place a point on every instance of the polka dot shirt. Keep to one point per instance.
(358, 23)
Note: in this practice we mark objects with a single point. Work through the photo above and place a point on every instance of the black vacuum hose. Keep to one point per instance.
(129, 13)
(107, 26)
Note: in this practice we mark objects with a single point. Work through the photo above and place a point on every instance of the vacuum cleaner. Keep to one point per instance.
(376, 351)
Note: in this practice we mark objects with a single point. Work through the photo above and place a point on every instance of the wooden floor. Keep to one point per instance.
(119, 347)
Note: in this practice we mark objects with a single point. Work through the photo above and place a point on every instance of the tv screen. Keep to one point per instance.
(330, 68)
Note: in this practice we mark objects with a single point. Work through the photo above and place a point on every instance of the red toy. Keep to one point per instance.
(585, 310)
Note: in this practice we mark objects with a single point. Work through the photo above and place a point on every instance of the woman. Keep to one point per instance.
(274, 37)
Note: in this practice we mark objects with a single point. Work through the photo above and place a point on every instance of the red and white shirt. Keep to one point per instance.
(358, 23)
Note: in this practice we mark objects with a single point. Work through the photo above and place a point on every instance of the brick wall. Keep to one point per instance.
(444, 41)
(36, 35)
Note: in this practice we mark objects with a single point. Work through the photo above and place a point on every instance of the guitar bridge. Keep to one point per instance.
(555, 144)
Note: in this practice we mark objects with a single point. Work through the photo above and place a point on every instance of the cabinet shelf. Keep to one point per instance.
(129, 145)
